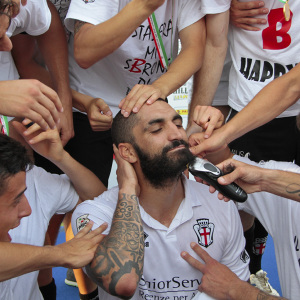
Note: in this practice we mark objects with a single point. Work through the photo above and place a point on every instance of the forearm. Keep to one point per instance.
(18, 259)
(206, 80)
(80, 101)
(85, 182)
(108, 36)
(271, 101)
(281, 183)
(55, 55)
(118, 262)
(243, 290)
(187, 62)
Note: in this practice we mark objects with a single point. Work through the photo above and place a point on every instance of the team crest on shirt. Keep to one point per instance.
(259, 245)
(204, 231)
(88, 1)
(82, 221)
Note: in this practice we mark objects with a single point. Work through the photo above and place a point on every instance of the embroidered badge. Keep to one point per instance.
(244, 256)
(82, 221)
(88, 1)
(259, 245)
(204, 231)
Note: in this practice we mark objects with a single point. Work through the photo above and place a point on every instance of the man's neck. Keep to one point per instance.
(162, 203)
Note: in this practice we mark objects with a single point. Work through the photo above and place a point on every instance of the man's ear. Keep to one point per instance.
(127, 152)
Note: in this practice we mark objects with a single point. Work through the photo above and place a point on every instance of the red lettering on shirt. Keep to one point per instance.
(276, 37)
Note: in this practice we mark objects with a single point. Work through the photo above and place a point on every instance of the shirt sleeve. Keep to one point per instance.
(56, 192)
(93, 12)
(34, 18)
(235, 257)
(189, 13)
(215, 6)
(99, 210)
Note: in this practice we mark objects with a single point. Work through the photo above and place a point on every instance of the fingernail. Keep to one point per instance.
(62, 109)
(193, 244)
(206, 136)
(261, 3)
(126, 114)
(221, 180)
(135, 109)
(183, 254)
(109, 113)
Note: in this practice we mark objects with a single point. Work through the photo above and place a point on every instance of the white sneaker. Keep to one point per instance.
(261, 281)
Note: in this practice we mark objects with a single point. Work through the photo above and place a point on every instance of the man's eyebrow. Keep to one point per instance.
(177, 117)
(161, 120)
(20, 194)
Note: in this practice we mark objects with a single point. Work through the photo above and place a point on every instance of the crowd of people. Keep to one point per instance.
(86, 81)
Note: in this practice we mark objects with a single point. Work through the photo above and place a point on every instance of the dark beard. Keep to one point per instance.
(162, 169)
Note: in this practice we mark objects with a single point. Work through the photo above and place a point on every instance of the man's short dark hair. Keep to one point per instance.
(13, 159)
(121, 130)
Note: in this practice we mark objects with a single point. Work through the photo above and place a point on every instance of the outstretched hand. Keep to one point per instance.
(138, 96)
(29, 98)
(244, 14)
(46, 143)
(217, 280)
(79, 251)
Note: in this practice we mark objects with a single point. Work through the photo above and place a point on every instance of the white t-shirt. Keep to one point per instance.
(261, 56)
(136, 60)
(47, 194)
(35, 19)
(280, 217)
(200, 218)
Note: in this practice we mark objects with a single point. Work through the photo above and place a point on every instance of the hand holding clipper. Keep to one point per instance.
(210, 173)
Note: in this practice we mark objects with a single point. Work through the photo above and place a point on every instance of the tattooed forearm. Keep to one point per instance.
(121, 253)
(78, 25)
(293, 188)
(264, 296)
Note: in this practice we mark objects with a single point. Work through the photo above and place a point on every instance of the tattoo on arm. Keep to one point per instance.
(121, 252)
(293, 188)
(263, 296)
(78, 25)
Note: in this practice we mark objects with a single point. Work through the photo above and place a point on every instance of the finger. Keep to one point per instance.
(248, 5)
(52, 96)
(48, 110)
(247, 27)
(103, 107)
(32, 116)
(32, 129)
(98, 230)
(20, 128)
(131, 94)
(84, 230)
(24, 2)
(202, 253)
(192, 261)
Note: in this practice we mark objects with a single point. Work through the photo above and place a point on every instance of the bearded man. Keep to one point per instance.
(156, 212)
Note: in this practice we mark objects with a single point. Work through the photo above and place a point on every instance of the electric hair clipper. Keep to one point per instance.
(210, 173)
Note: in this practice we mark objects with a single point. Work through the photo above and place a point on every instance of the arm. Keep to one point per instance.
(48, 144)
(181, 69)
(118, 262)
(271, 101)
(75, 253)
(255, 179)
(108, 36)
(30, 99)
(53, 46)
(221, 283)
(98, 112)
(206, 80)
(244, 14)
